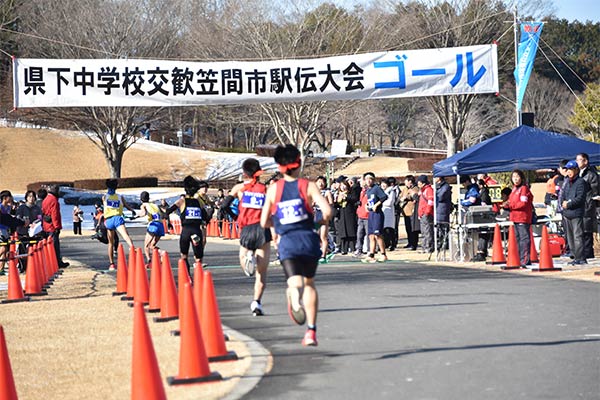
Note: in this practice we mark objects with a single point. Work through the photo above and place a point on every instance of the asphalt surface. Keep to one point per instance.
(411, 331)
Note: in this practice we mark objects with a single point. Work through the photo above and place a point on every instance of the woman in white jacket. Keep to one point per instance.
(389, 214)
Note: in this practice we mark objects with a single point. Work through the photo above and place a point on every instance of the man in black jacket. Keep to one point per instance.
(590, 225)
(573, 205)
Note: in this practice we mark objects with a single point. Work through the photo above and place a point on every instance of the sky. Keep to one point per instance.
(581, 10)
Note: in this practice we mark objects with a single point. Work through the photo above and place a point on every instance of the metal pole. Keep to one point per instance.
(460, 230)
(516, 31)
(435, 227)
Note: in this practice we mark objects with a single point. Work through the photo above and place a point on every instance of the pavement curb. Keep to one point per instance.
(261, 362)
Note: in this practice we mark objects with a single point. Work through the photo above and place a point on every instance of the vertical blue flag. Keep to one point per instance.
(530, 36)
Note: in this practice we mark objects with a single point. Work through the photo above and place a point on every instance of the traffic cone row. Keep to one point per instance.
(201, 333)
(42, 269)
(514, 262)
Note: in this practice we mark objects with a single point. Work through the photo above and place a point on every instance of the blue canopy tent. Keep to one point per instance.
(524, 148)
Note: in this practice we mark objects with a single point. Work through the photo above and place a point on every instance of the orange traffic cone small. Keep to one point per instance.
(41, 264)
(533, 254)
(15, 290)
(546, 263)
(33, 285)
(210, 322)
(183, 277)
(226, 230)
(169, 309)
(193, 362)
(146, 383)
(121, 272)
(130, 275)
(198, 285)
(497, 250)
(514, 261)
(141, 294)
(8, 390)
(155, 282)
(53, 260)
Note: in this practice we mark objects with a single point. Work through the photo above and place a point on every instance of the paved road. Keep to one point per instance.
(410, 331)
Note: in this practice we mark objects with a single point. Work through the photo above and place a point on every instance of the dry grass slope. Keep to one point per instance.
(32, 155)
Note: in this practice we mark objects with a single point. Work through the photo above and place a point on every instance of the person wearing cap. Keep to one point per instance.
(520, 204)
(590, 224)
(573, 195)
(375, 199)
(425, 213)
(288, 207)
(255, 241)
(443, 202)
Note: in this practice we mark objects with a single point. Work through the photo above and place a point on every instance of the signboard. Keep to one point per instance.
(160, 83)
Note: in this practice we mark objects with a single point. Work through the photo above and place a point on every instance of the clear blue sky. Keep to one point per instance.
(582, 10)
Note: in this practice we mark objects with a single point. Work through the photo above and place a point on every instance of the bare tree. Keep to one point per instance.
(102, 29)
(450, 24)
(551, 102)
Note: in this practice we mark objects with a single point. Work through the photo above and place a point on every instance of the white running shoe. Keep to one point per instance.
(256, 308)
(250, 263)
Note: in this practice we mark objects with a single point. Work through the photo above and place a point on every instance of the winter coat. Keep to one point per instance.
(574, 193)
(590, 175)
(443, 202)
(520, 202)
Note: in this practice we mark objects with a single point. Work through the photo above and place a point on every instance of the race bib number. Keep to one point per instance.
(370, 203)
(291, 211)
(193, 213)
(113, 203)
(253, 200)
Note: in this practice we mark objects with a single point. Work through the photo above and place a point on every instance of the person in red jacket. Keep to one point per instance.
(52, 221)
(425, 213)
(520, 204)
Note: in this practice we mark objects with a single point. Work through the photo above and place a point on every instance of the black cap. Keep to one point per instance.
(341, 179)
(422, 179)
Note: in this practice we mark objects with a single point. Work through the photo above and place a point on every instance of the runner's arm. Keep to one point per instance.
(265, 216)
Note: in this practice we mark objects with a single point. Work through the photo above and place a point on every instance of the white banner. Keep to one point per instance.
(149, 83)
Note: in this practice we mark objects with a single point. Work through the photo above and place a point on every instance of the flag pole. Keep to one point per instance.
(516, 31)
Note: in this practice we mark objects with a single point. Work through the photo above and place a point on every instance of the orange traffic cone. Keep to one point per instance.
(8, 391)
(130, 275)
(546, 263)
(15, 290)
(198, 285)
(141, 279)
(226, 230)
(533, 254)
(48, 270)
(497, 250)
(155, 282)
(53, 260)
(193, 363)
(40, 264)
(121, 272)
(146, 383)
(210, 322)
(514, 261)
(33, 285)
(183, 277)
(169, 309)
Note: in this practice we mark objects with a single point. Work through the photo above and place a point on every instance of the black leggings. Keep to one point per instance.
(305, 266)
(186, 238)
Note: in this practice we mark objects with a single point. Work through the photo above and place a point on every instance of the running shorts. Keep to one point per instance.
(156, 228)
(112, 223)
(254, 236)
(375, 224)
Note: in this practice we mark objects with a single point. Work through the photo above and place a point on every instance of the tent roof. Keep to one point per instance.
(523, 148)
